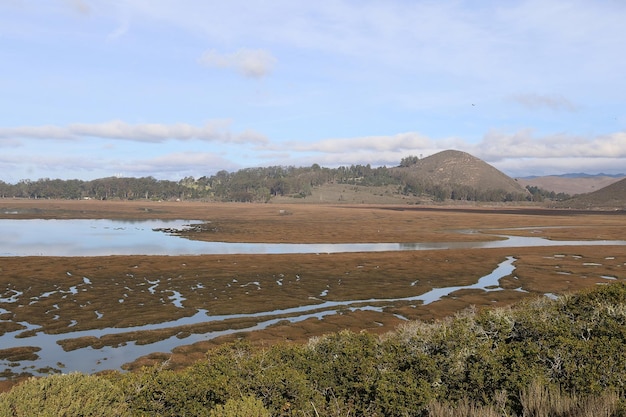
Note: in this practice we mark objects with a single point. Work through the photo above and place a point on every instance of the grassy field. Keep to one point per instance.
(225, 279)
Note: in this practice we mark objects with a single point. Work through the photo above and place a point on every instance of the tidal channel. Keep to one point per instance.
(39, 237)
(89, 360)
(67, 238)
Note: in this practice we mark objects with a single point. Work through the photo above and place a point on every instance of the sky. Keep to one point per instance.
(178, 88)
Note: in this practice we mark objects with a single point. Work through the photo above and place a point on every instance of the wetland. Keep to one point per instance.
(329, 268)
(105, 237)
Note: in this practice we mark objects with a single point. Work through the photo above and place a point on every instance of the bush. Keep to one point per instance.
(560, 357)
(68, 395)
(191, 392)
(247, 406)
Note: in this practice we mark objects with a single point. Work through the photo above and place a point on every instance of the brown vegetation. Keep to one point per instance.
(453, 168)
(350, 276)
(610, 197)
(569, 185)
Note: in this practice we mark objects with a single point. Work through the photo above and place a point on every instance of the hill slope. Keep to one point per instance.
(612, 197)
(570, 185)
(446, 175)
(460, 172)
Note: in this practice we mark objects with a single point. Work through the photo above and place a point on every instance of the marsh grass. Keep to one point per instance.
(528, 360)
(303, 279)
(119, 294)
(543, 400)
(22, 353)
(537, 400)
(462, 409)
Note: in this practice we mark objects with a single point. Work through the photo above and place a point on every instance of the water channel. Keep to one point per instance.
(108, 237)
(91, 360)
(104, 237)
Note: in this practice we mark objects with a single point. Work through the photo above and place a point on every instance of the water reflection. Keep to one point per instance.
(93, 237)
(108, 237)
(117, 237)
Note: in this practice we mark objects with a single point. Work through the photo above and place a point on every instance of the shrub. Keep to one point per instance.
(191, 392)
(68, 395)
(247, 406)
(561, 357)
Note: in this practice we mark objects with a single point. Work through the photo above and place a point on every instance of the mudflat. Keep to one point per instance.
(123, 292)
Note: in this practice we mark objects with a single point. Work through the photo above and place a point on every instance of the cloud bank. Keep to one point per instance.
(216, 131)
(171, 149)
(497, 146)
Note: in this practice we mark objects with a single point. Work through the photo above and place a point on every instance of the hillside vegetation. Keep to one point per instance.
(458, 175)
(447, 175)
(612, 196)
(571, 185)
(545, 357)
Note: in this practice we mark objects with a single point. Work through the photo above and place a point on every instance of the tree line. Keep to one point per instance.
(101, 189)
(249, 184)
(257, 185)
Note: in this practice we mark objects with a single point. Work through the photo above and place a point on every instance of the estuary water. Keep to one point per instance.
(114, 237)
(104, 237)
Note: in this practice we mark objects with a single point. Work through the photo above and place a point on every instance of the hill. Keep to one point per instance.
(461, 176)
(612, 196)
(571, 184)
(448, 175)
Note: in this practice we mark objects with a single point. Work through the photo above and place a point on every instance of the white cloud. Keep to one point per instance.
(35, 132)
(215, 131)
(9, 142)
(374, 150)
(398, 142)
(391, 66)
(252, 63)
(520, 152)
(556, 166)
(536, 101)
(530, 39)
(517, 154)
(497, 146)
(358, 157)
(47, 163)
(176, 165)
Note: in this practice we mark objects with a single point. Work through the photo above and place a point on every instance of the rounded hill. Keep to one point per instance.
(462, 176)
(612, 196)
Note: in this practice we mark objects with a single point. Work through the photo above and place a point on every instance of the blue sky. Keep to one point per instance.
(96, 88)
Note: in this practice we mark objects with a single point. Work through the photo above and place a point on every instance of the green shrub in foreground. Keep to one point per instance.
(565, 356)
(68, 395)
(245, 407)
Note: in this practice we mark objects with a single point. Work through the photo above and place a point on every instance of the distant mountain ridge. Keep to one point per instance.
(575, 175)
(612, 196)
(571, 184)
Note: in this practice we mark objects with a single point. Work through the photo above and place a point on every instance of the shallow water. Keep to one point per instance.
(39, 237)
(92, 360)
(93, 237)
(108, 237)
